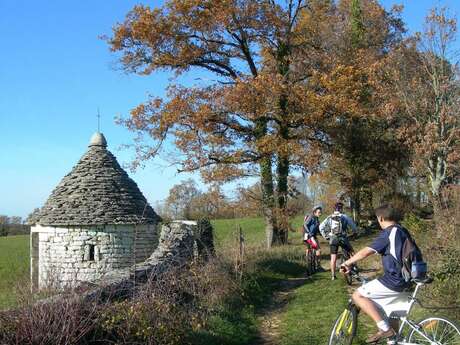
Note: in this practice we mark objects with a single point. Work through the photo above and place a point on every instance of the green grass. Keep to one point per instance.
(309, 317)
(312, 307)
(253, 230)
(14, 267)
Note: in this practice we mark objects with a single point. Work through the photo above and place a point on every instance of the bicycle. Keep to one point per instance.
(311, 260)
(344, 257)
(354, 268)
(430, 331)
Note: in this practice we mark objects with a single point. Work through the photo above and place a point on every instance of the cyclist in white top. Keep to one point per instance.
(334, 229)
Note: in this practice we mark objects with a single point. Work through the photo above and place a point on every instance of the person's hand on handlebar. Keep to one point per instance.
(345, 269)
(353, 236)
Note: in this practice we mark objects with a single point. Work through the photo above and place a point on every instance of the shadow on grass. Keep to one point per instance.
(283, 267)
(237, 323)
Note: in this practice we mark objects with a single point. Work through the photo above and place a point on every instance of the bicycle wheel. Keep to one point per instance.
(308, 262)
(314, 261)
(345, 256)
(439, 330)
(344, 328)
(311, 262)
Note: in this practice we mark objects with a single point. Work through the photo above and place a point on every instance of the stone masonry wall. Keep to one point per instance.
(68, 256)
(179, 242)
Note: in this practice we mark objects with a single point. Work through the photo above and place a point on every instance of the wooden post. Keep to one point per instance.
(240, 255)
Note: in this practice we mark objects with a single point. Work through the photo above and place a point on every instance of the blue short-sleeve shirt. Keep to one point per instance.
(389, 245)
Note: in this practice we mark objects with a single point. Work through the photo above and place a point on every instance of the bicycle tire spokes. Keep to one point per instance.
(438, 330)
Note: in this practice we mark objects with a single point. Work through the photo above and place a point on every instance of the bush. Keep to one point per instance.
(443, 255)
(414, 224)
(168, 309)
(68, 321)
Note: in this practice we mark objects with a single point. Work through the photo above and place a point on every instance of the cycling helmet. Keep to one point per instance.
(317, 207)
(338, 206)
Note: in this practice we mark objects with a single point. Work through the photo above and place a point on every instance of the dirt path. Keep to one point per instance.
(270, 316)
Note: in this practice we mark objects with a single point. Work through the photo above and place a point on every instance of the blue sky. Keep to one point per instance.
(54, 74)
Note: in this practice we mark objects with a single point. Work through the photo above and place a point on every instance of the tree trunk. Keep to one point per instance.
(437, 176)
(268, 201)
(368, 198)
(266, 182)
(356, 205)
(282, 168)
(282, 184)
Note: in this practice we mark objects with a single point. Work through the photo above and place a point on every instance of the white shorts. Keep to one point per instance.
(389, 302)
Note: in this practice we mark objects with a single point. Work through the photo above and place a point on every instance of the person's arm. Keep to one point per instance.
(378, 246)
(362, 254)
(351, 224)
(324, 228)
(308, 225)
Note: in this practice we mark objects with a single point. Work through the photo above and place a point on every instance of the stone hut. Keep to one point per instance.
(96, 220)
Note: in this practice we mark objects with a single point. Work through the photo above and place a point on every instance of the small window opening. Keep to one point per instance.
(91, 252)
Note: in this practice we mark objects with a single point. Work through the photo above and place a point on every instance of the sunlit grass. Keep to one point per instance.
(14, 267)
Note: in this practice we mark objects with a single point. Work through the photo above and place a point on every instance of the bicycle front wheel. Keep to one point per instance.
(344, 328)
(436, 330)
(348, 278)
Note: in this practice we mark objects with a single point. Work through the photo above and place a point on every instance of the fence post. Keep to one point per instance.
(240, 256)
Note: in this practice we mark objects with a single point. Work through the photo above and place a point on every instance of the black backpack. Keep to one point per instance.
(413, 266)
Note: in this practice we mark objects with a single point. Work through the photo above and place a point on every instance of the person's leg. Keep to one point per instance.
(333, 262)
(334, 245)
(367, 306)
(316, 246)
(364, 298)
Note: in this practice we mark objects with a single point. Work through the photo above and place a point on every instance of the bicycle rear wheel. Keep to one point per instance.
(344, 329)
(345, 256)
(311, 261)
(440, 330)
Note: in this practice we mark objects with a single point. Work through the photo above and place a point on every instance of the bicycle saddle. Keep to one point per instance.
(426, 280)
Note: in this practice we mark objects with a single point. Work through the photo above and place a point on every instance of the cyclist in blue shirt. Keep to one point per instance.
(375, 296)
(310, 233)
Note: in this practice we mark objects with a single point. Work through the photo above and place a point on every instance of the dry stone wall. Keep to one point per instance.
(69, 256)
(179, 242)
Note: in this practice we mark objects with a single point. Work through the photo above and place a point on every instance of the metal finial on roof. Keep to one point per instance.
(98, 121)
(98, 139)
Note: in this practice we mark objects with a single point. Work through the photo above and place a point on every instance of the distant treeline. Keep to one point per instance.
(10, 226)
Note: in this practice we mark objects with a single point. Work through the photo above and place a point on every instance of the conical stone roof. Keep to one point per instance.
(96, 192)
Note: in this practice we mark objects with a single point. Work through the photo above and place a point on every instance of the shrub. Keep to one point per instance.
(414, 224)
(443, 255)
(68, 321)
(168, 310)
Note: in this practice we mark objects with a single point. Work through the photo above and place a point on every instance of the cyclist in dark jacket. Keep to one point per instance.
(310, 232)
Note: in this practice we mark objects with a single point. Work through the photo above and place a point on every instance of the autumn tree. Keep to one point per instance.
(253, 114)
(362, 149)
(181, 199)
(425, 86)
(211, 204)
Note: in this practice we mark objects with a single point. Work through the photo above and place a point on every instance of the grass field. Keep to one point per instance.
(252, 228)
(14, 267)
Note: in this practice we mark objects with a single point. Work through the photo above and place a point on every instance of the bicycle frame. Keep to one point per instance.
(406, 321)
